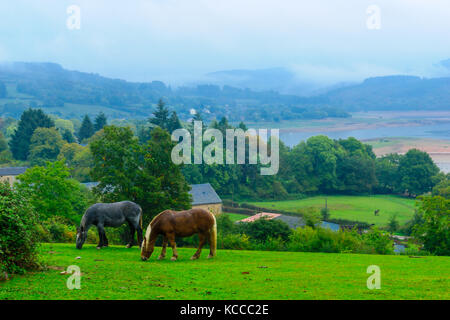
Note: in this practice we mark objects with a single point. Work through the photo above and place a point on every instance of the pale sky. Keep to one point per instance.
(178, 40)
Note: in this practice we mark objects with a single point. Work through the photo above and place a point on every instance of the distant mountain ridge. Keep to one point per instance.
(71, 93)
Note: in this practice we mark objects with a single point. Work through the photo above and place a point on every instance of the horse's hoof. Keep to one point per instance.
(194, 257)
(210, 256)
(106, 246)
(98, 248)
(173, 258)
(129, 246)
(161, 257)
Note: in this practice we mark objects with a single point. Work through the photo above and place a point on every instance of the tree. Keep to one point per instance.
(18, 232)
(52, 192)
(68, 136)
(29, 121)
(45, 145)
(161, 115)
(78, 159)
(393, 224)
(146, 175)
(434, 232)
(174, 122)
(416, 171)
(5, 154)
(86, 129)
(100, 121)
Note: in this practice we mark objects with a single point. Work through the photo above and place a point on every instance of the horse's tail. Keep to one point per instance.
(140, 217)
(213, 236)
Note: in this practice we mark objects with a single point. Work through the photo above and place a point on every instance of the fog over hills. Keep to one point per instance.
(267, 94)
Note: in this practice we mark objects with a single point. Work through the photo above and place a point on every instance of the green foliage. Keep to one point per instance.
(325, 213)
(18, 233)
(393, 224)
(86, 130)
(100, 121)
(416, 170)
(52, 192)
(434, 230)
(379, 241)
(263, 229)
(146, 175)
(30, 120)
(45, 145)
(79, 159)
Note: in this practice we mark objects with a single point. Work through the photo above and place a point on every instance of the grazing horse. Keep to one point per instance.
(110, 215)
(173, 224)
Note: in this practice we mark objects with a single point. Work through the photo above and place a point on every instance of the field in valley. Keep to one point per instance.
(355, 208)
(118, 273)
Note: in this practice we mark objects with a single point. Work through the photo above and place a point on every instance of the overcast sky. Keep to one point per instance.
(179, 40)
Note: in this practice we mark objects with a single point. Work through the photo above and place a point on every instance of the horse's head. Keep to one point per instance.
(81, 237)
(146, 247)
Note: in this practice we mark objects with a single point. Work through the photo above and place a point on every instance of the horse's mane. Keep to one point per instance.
(156, 218)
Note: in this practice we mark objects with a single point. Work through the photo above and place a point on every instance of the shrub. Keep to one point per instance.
(263, 229)
(18, 232)
(378, 241)
(233, 241)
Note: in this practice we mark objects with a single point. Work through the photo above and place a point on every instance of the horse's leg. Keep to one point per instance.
(133, 230)
(201, 242)
(105, 240)
(164, 248)
(171, 237)
(100, 236)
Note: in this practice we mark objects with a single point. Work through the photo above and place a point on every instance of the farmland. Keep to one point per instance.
(118, 273)
(355, 208)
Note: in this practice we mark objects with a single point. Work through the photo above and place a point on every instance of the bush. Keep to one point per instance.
(18, 232)
(378, 241)
(263, 229)
(233, 241)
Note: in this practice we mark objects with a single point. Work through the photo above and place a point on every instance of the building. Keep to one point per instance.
(204, 196)
(10, 174)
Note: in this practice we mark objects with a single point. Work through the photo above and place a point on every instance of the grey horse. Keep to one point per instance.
(110, 215)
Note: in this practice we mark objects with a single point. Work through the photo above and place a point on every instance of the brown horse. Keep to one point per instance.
(173, 224)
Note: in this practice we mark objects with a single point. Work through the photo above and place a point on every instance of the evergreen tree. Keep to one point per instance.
(29, 121)
(174, 122)
(86, 129)
(161, 115)
(100, 121)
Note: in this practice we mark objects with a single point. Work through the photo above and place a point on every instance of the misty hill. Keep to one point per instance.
(72, 94)
(392, 93)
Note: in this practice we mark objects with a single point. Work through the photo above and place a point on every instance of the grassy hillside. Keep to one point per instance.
(357, 208)
(235, 216)
(118, 273)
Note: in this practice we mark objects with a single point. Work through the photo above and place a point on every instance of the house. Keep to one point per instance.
(10, 174)
(204, 196)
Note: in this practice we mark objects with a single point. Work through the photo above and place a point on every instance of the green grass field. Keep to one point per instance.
(118, 273)
(356, 208)
(235, 216)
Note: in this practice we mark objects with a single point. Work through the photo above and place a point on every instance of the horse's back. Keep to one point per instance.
(187, 222)
(113, 214)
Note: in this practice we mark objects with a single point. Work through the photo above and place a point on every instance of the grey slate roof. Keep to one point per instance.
(204, 194)
(291, 221)
(12, 171)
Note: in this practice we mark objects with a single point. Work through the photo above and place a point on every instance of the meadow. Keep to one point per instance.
(118, 273)
(355, 208)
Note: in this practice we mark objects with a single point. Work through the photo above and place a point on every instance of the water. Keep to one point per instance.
(435, 131)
